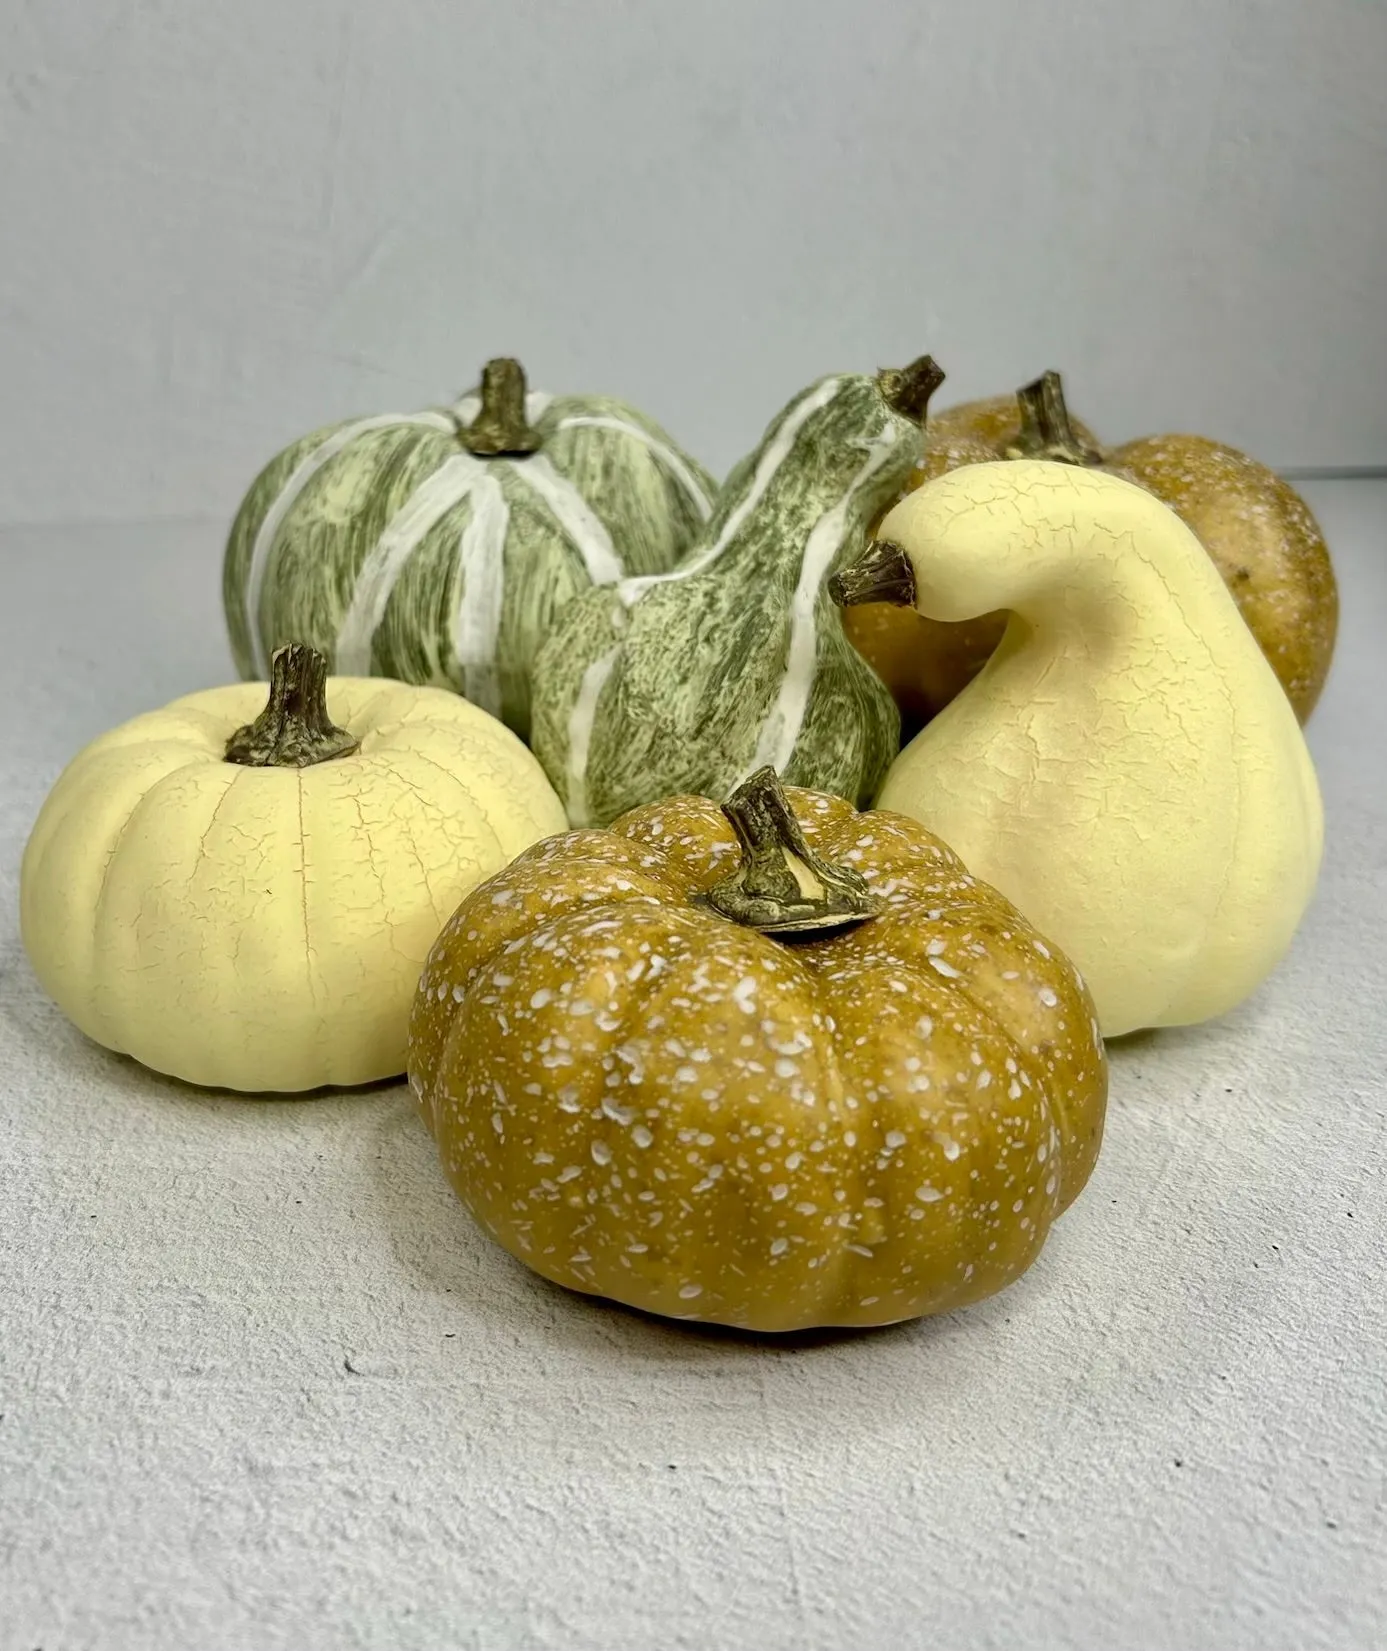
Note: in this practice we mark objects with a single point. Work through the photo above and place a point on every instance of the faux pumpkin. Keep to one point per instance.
(438, 546)
(844, 1083)
(1126, 768)
(1257, 529)
(247, 904)
(736, 659)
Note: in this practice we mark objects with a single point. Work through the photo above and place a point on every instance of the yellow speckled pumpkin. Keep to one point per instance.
(844, 1083)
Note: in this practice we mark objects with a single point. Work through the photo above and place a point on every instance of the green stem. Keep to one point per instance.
(1047, 432)
(763, 892)
(907, 390)
(294, 730)
(501, 426)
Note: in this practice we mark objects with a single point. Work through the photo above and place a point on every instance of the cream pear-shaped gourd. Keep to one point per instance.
(1126, 768)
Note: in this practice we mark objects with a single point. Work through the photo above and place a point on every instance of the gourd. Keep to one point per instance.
(1126, 769)
(247, 904)
(1256, 528)
(842, 1083)
(688, 680)
(438, 546)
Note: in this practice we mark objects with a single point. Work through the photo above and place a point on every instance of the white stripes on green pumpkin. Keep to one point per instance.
(772, 457)
(289, 494)
(583, 716)
(781, 730)
(481, 567)
(482, 544)
(537, 403)
(574, 515)
(439, 493)
(671, 460)
(482, 551)
(580, 725)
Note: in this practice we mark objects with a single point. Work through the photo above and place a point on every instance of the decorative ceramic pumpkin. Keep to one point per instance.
(736, 659)
(1126, 768)
(1256, 528)
(844, 1083)
(248, 904)
(438, 546)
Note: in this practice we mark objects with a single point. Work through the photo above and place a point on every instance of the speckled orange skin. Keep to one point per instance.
(645, 1101)
(994, 421)
(1256, 528)
(1262, 538)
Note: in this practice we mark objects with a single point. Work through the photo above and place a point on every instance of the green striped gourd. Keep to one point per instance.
(689, 680)
(439, 546)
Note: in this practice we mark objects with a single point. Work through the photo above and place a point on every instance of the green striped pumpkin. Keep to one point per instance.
(439, 546)
(689, 680)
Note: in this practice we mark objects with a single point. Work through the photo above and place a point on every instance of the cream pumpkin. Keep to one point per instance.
(247, 904)
(1126, 768)
(844, 1084)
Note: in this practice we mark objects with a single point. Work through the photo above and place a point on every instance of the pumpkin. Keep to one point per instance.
(1126, 769)
(438, 546)
(686, 681)
(247, 904)
(841, 1083)
(1256, 528)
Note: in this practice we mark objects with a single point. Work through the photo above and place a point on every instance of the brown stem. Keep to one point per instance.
(882, 573)
(1047, 432)
(906, 390)
(294, 730)
(764, 893)
(501, 426)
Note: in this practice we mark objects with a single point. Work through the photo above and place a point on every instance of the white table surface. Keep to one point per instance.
(263, 1385)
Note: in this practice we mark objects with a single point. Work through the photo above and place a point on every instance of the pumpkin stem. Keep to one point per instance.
(882, 573)
(501, 426)
(294, 730)
(907, 390)
(1047, 431)
(764, 892)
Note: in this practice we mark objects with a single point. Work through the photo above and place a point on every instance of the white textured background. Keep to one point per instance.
(263, 1386)
(224, 224)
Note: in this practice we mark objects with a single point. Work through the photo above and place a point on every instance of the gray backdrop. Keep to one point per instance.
(225, 224)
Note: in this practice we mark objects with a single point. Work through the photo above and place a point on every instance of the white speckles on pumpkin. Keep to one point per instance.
(717, 1088)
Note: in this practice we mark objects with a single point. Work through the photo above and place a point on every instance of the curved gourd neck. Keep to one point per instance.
(1056, 544)
(839, 448)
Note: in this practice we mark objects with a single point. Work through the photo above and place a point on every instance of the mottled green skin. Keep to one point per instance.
(336, 521)
(700, 661)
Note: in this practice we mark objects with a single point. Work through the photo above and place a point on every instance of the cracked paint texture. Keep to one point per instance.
(263, 928)
(1126, 768)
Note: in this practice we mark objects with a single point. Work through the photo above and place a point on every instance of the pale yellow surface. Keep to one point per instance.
(264, 928)
(1126, 768)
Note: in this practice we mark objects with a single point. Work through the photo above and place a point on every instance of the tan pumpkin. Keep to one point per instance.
(844, 1084)
(1258, 531)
